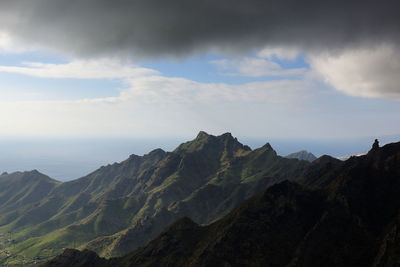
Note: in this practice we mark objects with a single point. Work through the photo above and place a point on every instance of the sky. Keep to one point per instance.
(155, 68)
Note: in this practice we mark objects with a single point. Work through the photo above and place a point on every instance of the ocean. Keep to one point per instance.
(69, 158)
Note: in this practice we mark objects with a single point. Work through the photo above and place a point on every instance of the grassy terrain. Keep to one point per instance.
(124, 205)
(343, 214)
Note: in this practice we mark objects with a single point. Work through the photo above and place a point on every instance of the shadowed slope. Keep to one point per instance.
(350, 219)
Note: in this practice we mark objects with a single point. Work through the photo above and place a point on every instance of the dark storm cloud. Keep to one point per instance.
(178, 27)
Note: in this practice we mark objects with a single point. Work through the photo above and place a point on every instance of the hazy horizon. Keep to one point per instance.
(67, 159)
(150, 69)
(304, 75)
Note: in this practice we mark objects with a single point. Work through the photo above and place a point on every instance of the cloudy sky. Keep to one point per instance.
(156, 68)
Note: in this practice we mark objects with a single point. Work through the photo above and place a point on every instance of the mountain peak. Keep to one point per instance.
(375, 146)
(383, 151)
(204, 138)
(267, 147)
(202, 134)
(302, 155)
(34, 172)
(226, 135)
(224, 146)
(133, 156)
(157, 151)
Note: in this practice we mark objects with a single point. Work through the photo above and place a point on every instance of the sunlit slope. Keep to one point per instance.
(122, 206)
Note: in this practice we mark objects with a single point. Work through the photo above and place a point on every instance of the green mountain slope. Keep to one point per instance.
(124, 205)
(351, 218)
(18, 192)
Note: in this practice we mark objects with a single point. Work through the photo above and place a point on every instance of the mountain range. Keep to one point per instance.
(123, 206)
(339, 213)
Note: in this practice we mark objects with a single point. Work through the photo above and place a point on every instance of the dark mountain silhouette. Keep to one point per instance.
(350, 217)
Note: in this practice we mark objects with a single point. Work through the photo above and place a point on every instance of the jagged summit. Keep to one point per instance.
(227, 135)
(375, 147)
(345, 213)
(267, 146)
(121, 206)
(133, 156)
(376, 144)
(381, 152)
(208, 142)
(302, 155)
(266, 149)
(202, 134)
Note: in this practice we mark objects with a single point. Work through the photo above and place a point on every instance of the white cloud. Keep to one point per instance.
(367, 72)
(179, 90)
(154, 105)
(157, 105)
(255, 67)
(84, 69)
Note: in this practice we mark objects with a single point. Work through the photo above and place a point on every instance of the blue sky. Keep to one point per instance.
(270, 92)
(197, 68)
(150, 69)
(298, 73)
(202, 69)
